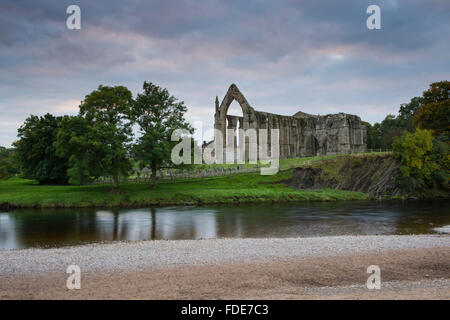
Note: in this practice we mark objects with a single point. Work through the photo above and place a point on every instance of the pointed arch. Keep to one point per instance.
(232, 94)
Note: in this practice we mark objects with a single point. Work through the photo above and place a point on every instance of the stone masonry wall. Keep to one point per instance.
(301, 135)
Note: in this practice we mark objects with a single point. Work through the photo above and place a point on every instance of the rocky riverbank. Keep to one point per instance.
(375, 175)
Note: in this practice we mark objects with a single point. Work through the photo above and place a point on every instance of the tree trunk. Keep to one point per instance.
(116, 181)
(153, 174)
(115, 175)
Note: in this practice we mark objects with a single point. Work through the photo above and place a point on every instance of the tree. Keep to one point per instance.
(158, 114)
(8, 165)
(36, 153)
(381, 135)
(373, 136)
(419, 159)
(4, 172)
(407, 112)
(370, 136)
(412, 148)
(440, 156)
(97, 141)
(74, 141)
(434, 114)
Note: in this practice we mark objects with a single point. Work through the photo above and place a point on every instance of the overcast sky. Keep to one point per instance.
(285, 56)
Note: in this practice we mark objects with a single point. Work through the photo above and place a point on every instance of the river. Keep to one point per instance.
(61, 227)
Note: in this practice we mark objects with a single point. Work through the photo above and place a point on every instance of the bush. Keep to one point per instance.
(424, 160)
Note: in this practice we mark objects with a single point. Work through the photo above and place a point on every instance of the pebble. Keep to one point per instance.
(145, 255)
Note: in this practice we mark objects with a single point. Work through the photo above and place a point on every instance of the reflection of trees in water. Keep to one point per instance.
(8, 238)
(153, 230)
(49, 227)
(177, 223)
(132, 224)
(248, 220)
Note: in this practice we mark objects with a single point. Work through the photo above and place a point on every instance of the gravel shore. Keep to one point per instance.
(145, 255)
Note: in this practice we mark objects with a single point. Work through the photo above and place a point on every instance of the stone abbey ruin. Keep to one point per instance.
(300, 135)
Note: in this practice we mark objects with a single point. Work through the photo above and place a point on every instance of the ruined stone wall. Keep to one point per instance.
(301, 135)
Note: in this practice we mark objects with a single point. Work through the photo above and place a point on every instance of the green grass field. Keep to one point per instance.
(17, 192)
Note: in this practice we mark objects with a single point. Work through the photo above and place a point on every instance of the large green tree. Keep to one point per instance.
(36, 153)
(434, 113)
(75, 142)
(158, 114)
(423, 159)
(98, 140)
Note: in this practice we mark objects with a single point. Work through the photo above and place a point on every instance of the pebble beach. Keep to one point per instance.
(412, 266)
(141, 255)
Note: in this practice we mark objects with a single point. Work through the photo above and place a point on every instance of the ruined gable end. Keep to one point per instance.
(301, 135)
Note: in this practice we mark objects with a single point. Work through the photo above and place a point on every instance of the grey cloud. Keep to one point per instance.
(283, 54)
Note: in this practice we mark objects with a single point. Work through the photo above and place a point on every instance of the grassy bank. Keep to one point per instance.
(240, 188)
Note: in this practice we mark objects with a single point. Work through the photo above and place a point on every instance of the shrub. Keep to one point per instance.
(424, 160)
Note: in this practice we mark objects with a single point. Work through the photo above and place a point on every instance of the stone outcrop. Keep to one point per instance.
(300, 135)
(376, 175)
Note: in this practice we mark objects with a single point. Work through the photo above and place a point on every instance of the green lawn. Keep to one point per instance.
(226, 189)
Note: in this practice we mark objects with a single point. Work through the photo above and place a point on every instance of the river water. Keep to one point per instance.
(61, 227)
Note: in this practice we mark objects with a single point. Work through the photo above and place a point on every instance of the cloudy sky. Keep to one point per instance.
(285, 56)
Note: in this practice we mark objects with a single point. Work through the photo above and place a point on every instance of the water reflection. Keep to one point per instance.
(8, 238)
(31, 228)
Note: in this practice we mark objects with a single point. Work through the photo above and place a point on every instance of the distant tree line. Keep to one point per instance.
(430, 111)
(99, 141)
(381, 135)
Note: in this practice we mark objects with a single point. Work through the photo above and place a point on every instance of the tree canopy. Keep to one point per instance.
(74, 142)
(434, 114)
(36, 153)
(382, 135)
(423, 159)
(157, 114)
(97, 141)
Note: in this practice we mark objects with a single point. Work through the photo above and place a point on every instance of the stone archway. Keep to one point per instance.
(248, 117)
(223, 121)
